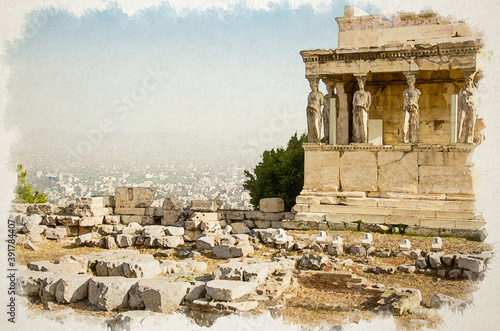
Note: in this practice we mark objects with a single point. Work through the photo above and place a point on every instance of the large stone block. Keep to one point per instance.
(134, 197)
(272, 205)
(48, 284)
(172, 217)
(109, 293)
(171, 203)
(446, 179)
(157, 295)
(321, 170)
(228, 290)
(72, 288)
(143, 220)
(358, 171)
(146, 267)
(205, 205)
(398, 171)
(443, 158)
(28, 282)
(131, 211)
(169, 241)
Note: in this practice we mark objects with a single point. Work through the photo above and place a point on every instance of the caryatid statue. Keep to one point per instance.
(314, 102)
(330, 85)
(467, 111)
(411, 111)
(361, 103)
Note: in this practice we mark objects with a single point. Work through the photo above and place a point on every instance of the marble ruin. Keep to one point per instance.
(379, 164)
(399, 127)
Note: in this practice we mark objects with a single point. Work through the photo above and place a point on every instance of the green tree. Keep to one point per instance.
(23, 189)
(279, 174)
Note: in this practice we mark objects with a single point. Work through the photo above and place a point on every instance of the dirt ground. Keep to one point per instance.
(314, 305)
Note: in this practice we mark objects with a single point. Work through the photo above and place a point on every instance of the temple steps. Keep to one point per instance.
(430, 222)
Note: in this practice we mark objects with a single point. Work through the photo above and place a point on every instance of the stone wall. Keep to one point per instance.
(403, 169)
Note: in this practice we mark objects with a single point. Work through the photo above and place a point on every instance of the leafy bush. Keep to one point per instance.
(23, 189)
(279, 174)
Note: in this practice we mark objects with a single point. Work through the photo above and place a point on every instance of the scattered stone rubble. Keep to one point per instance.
(121, 278)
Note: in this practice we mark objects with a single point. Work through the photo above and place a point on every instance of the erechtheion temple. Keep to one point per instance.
(392, 140)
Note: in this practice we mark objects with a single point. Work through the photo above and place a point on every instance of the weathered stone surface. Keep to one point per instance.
(84, 239)
(56, 233)
(455, 273)
(407, 268)
(169, 241)
(28, 282)
(398, 171)
(452, 179)
(448, 259)
(157, 295)
(234, 215)
(321, 170)
(313, 262)
(105, 229)
(421, 263)
(239, 227)
(191, 266)
(205, 243)
(174, 231)
(41, 209)
(222, 252)
(172, 217)
(435, 260)
(171, 203)
(358, 171)
(134, 211)
(55, 268)
(439, 300)
(272, 205)
(357, 250)
(153, 231)
(81, 260)
(131, 228)
(49, 220)
(29, 245)
(125, 240)
(146, 267)
(72, 288)
(471, 264)
(205, 205)
(240, 251)
(228, 290)
(110, 243)
(414, 254)
(196, 290)
(109, 293)
(67, 220)
(30, 223)
(91, 221)
(191, 235)
(48, 284)
(262, 224)
(134, 197)
(400, 300)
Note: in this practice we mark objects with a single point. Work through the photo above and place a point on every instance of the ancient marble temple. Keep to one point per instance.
(398, 125)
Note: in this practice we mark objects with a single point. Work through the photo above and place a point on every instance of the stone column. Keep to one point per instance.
(467, 111)
(343, 89)
(330, 113)
(452, 101)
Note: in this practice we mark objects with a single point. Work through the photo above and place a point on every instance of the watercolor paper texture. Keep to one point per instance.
(202, 89)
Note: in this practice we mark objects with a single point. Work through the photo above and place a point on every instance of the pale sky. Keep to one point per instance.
(126, 78)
